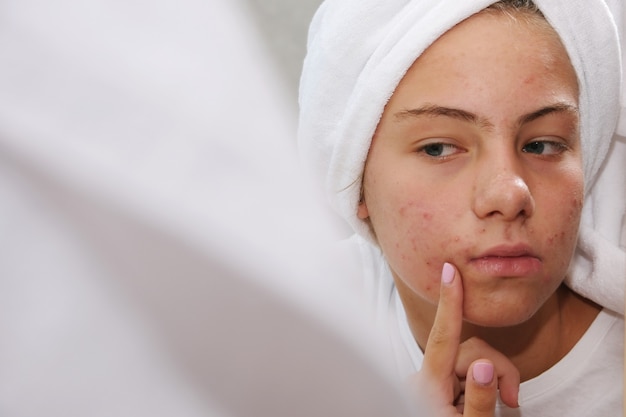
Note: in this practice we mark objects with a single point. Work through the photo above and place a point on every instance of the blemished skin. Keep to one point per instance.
(477, 162)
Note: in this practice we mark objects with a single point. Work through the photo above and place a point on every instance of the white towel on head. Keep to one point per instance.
(359, 50)
(599, 268)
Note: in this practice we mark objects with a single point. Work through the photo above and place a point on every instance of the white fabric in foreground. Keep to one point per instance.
(358, 52)
(159, 254)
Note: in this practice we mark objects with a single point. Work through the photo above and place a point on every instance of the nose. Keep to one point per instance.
(500, 191)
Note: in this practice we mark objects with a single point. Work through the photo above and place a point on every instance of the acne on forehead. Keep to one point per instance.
(554, 58)
(558, 57)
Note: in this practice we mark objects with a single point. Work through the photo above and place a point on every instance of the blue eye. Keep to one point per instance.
(544, 148)
(438, 150)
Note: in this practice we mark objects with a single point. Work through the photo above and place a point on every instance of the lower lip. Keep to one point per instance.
(508, 266)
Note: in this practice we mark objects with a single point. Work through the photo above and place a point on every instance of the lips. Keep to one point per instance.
(507, 261)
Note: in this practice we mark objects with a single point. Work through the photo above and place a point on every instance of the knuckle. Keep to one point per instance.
(476, 345)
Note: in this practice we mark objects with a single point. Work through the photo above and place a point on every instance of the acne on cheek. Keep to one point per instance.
(416, 227)
(570, 229)
(418, 220)
(576, 208)
(414, 209)
(556, 238)
(452, 242)
(432, 279)
(575, 213)
(424, 227)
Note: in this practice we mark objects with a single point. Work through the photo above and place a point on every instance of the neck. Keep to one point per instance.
(533, 346)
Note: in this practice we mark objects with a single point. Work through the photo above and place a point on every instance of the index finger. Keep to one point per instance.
(445, 335)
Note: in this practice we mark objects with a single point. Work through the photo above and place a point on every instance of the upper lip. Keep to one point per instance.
(507, 251)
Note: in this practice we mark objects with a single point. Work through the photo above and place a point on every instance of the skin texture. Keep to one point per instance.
(476, 162)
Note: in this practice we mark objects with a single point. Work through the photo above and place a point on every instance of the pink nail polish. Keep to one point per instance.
(447, 274)
(483, 372)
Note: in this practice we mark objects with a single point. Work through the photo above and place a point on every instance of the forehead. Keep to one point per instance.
(521, 34)
(490, 56)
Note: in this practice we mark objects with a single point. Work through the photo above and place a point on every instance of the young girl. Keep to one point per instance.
(458, 140)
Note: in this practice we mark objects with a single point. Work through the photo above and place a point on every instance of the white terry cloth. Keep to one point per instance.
(359, 50)
(599, 269)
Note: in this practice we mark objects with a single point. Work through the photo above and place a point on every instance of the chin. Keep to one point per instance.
(493, 315)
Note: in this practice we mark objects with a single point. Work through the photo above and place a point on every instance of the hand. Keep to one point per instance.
(461, 377)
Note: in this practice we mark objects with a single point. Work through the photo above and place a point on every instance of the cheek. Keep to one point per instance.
(420, 229)
(564, 231)
(423, 240)
(436, 229)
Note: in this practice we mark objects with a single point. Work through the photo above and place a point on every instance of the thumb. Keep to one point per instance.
(481, 388)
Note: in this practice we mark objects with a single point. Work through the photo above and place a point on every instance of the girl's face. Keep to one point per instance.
(476, 161)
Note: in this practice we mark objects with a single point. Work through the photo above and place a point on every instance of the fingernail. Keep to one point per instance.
(483, 372)
(447, 274)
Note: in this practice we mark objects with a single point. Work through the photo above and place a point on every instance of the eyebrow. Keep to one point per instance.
(554, 108)
(434, 110)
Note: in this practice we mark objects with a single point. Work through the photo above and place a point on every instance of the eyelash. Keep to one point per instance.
(423, 149)
(557, 148)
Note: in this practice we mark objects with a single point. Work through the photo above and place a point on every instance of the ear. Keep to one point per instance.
(362, 212)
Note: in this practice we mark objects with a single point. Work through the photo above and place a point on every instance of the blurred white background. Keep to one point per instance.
(283, 25)
(161, 252)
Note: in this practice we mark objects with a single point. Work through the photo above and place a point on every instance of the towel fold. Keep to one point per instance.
(358, 52)
(598, 271)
